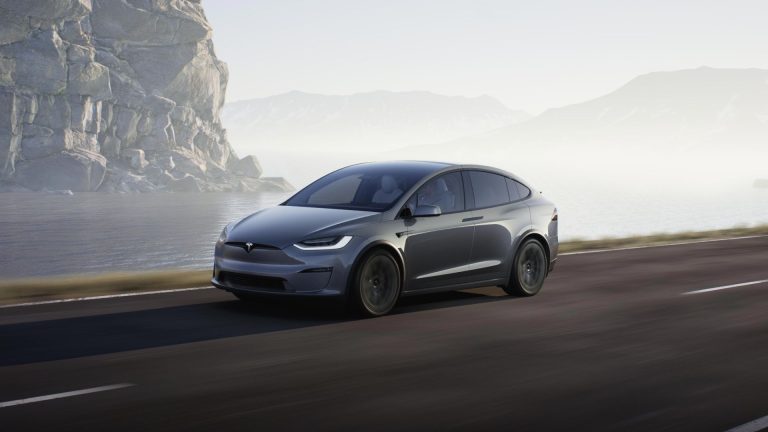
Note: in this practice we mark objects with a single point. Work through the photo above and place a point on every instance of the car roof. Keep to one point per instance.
(426, 165)
(433, 166)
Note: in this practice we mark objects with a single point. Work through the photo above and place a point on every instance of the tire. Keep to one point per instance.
(529, 269)
(375, 287)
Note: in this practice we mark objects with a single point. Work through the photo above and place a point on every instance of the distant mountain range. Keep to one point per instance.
(698, 119)
(369, 122)
(696, 109)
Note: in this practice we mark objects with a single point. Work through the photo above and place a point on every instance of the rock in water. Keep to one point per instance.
(127, 87)
(248, 166)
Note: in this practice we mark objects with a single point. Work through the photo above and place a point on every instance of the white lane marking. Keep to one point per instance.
(683, 243)
(752, 426)
(724, 287)
(101, 297)
(63, 395)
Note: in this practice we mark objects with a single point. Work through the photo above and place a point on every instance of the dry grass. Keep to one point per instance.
(660, 239)
(37, 289)
(48, 288)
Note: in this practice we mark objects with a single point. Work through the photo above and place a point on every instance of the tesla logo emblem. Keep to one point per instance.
(248, 246)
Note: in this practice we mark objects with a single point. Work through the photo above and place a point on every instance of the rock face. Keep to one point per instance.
(114, 95)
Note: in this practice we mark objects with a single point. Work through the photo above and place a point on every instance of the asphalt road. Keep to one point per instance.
(611, 343)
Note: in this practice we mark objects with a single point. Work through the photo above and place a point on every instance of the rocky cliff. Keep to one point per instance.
(115, 95)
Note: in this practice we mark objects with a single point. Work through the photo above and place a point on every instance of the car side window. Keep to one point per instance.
(489, 189)
(523, 190)
(445, 191)
(514, 192)
(517, 190)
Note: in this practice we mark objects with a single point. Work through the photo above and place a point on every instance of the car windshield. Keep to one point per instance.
(368, 187)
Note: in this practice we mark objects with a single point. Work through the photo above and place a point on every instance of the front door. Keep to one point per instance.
(437, 248)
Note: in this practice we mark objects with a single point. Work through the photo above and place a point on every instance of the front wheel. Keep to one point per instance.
(376, 285)
(528, 270)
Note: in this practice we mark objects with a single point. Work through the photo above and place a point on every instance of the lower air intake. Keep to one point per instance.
(239, 280)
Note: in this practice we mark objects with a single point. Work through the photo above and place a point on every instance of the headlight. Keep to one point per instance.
(223, 235)
(325, 243)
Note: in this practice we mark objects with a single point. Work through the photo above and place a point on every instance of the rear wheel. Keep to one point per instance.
(528, 270)
(376, 285)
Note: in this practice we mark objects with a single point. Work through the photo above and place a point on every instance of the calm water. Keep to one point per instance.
(85, 233)
(53, 234)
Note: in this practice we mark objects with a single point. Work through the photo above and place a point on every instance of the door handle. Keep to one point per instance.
(470, 219)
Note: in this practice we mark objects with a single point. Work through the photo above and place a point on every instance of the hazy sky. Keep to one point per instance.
(530, 54)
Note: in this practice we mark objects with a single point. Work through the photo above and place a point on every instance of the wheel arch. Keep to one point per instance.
(538, 237)
(379, 244)
(529, 235)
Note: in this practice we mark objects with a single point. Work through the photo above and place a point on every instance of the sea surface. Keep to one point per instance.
(46, 234)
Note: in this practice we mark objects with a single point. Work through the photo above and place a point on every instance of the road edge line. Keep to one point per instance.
(661, 245)
(102, 297)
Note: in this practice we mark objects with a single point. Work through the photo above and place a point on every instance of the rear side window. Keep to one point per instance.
(489, 189)
(514, 192)
(517, 190)
(524, 191)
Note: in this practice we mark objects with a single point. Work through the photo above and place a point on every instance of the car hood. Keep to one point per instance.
(283, 226)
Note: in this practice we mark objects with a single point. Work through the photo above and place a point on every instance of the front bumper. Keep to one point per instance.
(249, 283)
(281, 272)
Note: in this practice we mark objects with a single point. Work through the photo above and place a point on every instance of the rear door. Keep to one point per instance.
(499, 213)
(437, 248)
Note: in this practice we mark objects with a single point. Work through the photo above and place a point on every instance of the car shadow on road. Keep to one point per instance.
(32, 342)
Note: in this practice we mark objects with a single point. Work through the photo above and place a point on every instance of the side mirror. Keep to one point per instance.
(427, 211)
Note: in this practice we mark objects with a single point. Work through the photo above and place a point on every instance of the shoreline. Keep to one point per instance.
(37, 289)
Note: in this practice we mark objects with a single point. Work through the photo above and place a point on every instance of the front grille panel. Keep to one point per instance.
(254, 246)
(247, 281)
(265, 255)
